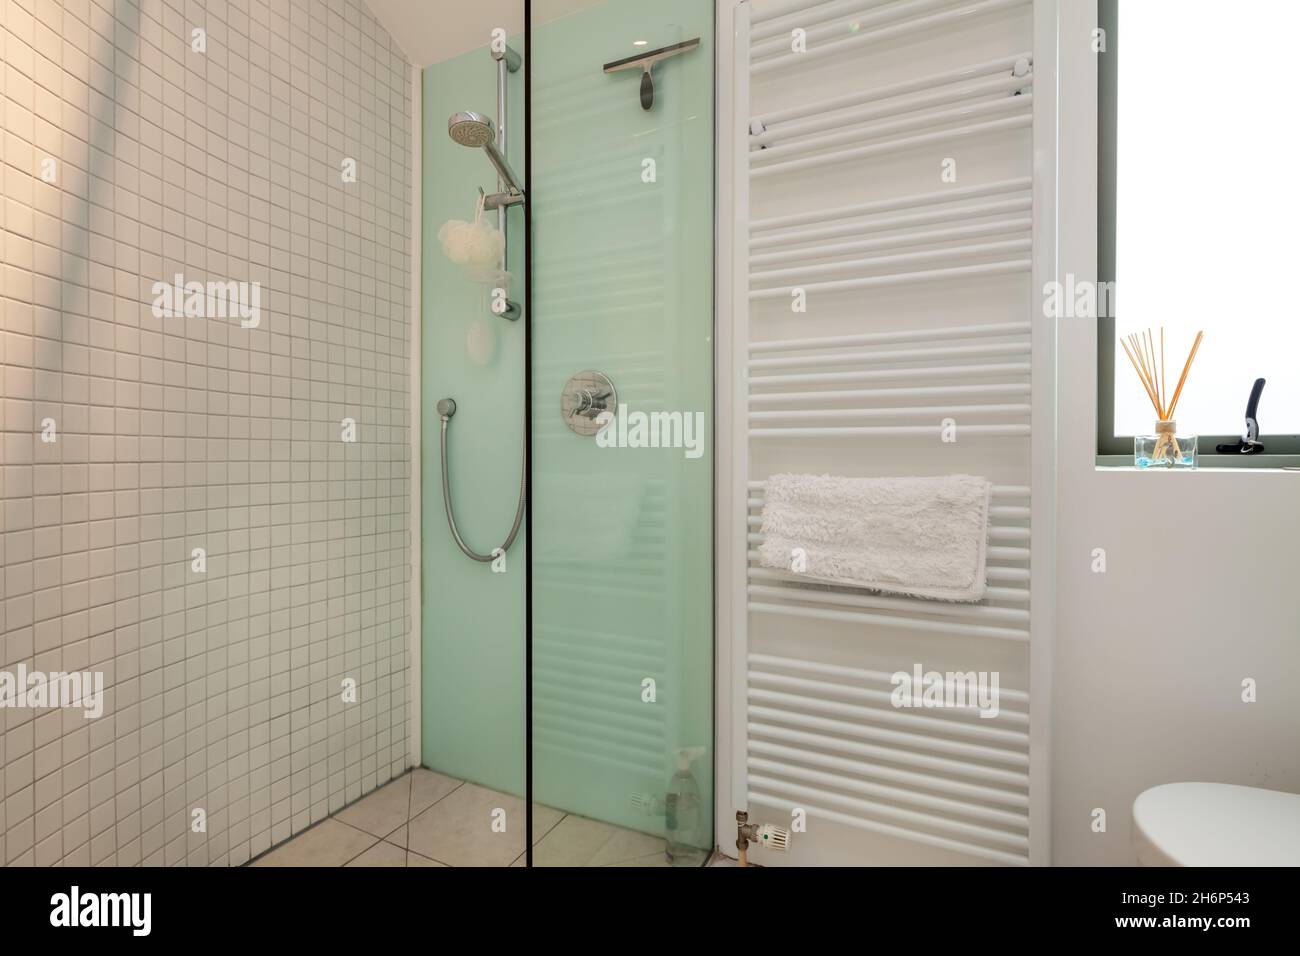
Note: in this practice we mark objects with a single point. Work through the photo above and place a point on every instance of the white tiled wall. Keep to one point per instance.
(224, 689)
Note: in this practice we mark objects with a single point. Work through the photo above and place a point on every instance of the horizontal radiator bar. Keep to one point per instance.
(962, 113)
(864, 20)
(853, 673)
(1020, 635)
(999, 491)
(856, 210)
(872, 754)
(890, 431)
(992, 76)
(1006, 595)
(893, 146)
(922, 24)
(810, 685)
(979, 230)
(893, 355)
(1018, 841)
(904, 833)
(1017, 798)
(893, 338)
(910, 798)
(1008, 267)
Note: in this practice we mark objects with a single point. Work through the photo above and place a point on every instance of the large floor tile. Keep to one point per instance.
(381, 812)
(428, 787)
(414, 859)
(329, 843)
(577, 841)
(458, 829)
(381, 854)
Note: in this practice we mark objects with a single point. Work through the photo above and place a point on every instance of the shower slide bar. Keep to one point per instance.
(896, 145)
(964, 111)
(891, 31)
(941, 197)
(1019, 65)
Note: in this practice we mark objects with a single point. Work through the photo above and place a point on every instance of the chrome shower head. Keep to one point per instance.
(471, 129)
(474, 129)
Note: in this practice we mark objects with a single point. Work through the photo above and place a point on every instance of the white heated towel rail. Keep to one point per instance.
(916, 351)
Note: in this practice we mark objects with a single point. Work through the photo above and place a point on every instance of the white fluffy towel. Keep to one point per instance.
(924, 537)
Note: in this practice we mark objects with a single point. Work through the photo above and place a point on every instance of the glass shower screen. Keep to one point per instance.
(620, 147)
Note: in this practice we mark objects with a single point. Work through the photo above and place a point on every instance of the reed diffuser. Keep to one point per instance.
(1166, 448)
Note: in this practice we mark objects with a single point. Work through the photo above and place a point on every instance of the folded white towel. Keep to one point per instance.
(925, 537)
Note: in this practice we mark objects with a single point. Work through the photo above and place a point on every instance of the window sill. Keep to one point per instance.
(1267, 463)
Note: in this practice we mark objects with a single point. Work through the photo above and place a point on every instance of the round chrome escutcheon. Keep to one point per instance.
(585, 396)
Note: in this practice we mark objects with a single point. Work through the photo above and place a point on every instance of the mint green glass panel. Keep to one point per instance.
(622, 284)
(473, 634)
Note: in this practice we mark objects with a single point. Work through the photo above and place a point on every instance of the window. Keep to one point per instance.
(1197, 205)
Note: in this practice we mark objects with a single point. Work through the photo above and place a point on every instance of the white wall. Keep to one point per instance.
(1202, 587)
(223, 688)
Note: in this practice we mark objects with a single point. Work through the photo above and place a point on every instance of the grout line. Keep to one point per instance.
(436, 802)
(363, 852)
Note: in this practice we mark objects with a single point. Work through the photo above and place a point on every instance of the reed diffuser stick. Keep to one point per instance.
(1162, 365)
(1186, 368)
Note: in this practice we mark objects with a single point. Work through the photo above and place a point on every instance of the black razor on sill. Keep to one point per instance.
(1250, 443)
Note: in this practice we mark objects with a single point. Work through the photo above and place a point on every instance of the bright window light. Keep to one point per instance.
(1207, 204)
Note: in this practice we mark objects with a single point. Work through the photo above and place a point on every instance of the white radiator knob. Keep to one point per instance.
(774, 837)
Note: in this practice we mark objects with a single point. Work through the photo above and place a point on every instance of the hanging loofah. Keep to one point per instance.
(477, 247)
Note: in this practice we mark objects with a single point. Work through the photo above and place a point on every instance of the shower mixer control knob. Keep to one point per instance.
(585, 398)
(591, 404)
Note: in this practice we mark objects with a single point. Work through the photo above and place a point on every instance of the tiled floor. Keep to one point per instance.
(426, 819)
